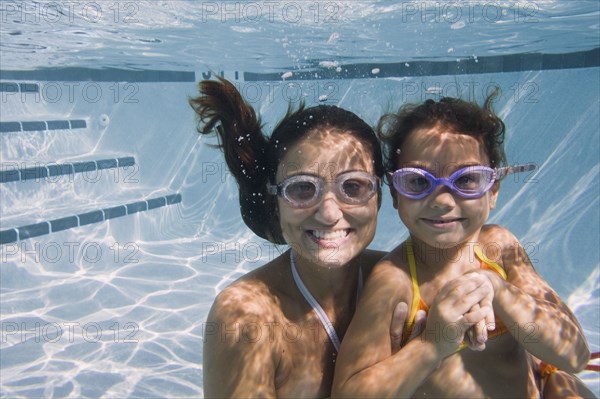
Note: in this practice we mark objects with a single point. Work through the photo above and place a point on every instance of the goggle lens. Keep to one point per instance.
(303, 191)
(469, 182)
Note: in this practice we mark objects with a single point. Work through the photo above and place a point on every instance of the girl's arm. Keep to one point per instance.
(237, 361)
(532, 311)
(366, 366)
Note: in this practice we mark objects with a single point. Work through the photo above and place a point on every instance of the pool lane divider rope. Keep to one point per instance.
(51, 226)
(58, 169)
(41, 126)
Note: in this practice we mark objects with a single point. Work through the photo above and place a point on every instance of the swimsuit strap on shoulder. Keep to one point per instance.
(413, 276)
(490, 263)
(327, 325)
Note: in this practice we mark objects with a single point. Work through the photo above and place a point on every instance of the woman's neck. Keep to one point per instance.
(333, 287)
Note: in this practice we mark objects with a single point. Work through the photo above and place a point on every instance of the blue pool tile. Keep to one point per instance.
(60, 169)
(8, 87)
(9, 175)
(106, 163)
(531, 62)
(78, 124)
(63, 223)
(77, 74)
(6, 127)
(8, 236)
(156, 202)
(80, 167)
(577, 60)
(56, 125)
(440, 68)
(136, 207)
(34, 173)
(512, 62)
(422, 68)
(491, 64)
(36, 126)
(33, 230)
(457, 67)
(29, 87)
(471, 66)
(592, 57)
(126, 161)
(115, 212)
(90, 217)
(552, 61)
(173, 199)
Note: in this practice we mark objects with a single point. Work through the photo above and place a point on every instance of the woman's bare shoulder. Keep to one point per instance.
(253, 297)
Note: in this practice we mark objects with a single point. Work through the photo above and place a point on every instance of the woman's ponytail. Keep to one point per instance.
(221, 108)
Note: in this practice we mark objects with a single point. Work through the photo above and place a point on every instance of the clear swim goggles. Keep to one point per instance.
(304, 191)
(469, 182)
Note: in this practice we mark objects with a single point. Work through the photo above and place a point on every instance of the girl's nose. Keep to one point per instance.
(442, 198)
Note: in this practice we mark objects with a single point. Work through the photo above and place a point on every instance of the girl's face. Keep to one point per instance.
(330, 233)
(443, 219)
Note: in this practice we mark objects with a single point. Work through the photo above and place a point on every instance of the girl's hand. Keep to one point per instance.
(477, 335)
(463, 303)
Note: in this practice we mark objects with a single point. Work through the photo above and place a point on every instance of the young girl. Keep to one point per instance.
(448, 161)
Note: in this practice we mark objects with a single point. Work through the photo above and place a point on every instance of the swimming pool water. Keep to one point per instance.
(116, 308)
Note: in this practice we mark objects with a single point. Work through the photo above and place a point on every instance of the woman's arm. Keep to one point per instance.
(532, 311)
(238, 360)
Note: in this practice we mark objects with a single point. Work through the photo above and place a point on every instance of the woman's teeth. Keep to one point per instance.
(329, 235)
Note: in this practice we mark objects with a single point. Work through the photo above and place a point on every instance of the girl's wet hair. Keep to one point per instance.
(253, 158)
(456, 115)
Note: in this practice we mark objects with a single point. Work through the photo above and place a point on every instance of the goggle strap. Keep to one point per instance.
(272, 189)
(501, 173)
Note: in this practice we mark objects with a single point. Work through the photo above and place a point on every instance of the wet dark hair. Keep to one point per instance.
(457, 115)
(253, 158)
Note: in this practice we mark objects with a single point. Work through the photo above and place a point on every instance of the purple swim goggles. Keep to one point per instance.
(469, 182)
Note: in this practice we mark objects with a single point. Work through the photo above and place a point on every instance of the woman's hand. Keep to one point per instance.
(399, 320)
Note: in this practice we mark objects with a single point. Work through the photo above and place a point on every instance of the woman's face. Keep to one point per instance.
(443, 218)
(330, 233)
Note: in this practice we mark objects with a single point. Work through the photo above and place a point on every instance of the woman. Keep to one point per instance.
(275, 331)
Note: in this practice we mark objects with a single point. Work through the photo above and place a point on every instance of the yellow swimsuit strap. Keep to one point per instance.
(415, 284)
